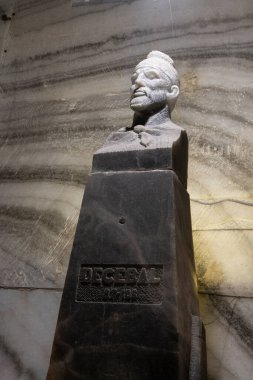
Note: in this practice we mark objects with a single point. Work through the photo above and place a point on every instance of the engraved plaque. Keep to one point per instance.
(140, 284)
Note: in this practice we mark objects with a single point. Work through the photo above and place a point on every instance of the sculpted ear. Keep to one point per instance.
(173, 93)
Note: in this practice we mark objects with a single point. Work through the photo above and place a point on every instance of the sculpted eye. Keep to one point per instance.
(151, 74)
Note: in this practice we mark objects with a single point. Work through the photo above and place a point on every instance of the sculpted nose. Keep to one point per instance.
(140, 80)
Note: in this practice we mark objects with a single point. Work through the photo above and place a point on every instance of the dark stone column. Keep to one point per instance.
(129, 309)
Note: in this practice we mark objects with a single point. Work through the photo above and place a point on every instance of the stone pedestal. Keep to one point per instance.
(129, 309)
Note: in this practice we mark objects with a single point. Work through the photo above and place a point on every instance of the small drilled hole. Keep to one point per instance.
(122, 220)
(13, 14)
(5, 50)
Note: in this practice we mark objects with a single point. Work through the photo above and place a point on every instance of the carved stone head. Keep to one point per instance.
(155, 84)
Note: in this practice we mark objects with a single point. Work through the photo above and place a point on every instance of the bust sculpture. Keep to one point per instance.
(154, 92)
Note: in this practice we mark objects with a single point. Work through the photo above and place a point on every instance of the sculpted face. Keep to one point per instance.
(149, 90)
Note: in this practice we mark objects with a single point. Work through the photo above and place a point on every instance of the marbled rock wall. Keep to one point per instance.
(64, 86)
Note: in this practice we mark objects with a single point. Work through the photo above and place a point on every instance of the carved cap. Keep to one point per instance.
(164, 63)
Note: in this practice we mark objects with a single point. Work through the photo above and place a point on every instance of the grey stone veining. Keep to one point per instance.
(59, 83)
(51, 127)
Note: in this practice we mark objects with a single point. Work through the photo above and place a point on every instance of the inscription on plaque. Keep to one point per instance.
(120, 284)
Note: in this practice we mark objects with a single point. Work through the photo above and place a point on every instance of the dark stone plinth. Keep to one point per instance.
(130, 294)
(167, 149)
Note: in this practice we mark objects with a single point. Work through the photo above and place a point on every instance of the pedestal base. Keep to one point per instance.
(130, 292)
